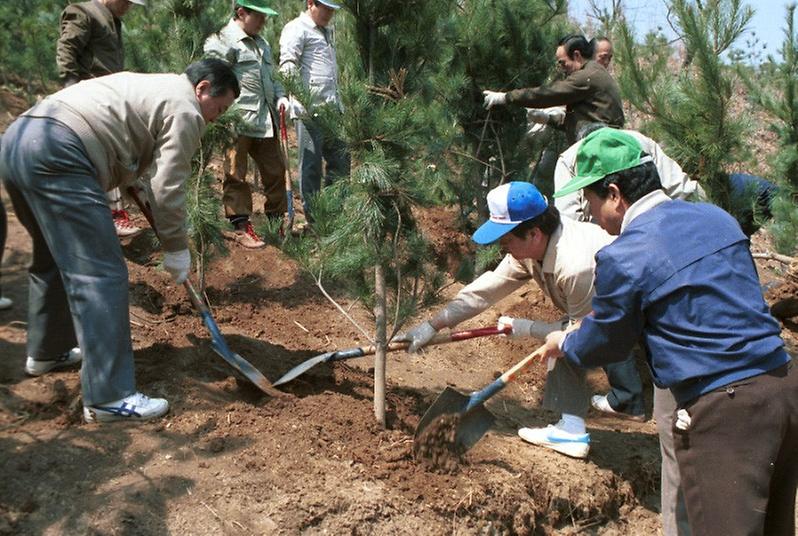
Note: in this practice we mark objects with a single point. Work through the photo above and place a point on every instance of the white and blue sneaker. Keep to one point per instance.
(134, 408)
(35, 367)
(552, 437)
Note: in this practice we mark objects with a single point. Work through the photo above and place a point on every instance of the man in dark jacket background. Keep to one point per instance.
(588, 91)
(90, 45)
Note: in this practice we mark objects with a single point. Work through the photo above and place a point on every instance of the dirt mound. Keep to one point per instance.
(228, 459)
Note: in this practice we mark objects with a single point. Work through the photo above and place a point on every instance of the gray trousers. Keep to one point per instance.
(672, 505)
(314, 150)
(78, 284)
(566, 389)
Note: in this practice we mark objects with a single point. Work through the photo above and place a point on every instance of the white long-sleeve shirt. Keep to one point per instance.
(310, 49)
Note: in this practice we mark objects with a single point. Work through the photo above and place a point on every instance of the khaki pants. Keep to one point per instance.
(237, 194)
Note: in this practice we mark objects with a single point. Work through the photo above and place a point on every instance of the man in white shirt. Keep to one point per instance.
(307, 48)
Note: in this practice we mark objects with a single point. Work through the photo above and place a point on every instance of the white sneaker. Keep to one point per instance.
(551, 437)
(5, 303)
(600, 403)
(134, 408)
(34, 367)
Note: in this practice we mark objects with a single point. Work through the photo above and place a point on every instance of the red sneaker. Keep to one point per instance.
(124, 227)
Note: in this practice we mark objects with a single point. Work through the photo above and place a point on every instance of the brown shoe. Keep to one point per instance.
(248, 238)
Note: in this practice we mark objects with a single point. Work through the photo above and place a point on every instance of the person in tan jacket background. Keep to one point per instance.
(90, 45)
(239, 44)
(57, 161)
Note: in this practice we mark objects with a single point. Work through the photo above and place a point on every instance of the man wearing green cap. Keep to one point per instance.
(680, 278)
(239, 43)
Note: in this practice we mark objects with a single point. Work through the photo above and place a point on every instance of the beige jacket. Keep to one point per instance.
(565, 275)
(251, 59)
(675, 182)
(136, 125)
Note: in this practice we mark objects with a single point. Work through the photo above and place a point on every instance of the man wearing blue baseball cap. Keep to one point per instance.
(557, 253)
(681, 279)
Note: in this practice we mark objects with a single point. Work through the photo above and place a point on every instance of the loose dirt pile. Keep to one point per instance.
(436, 446)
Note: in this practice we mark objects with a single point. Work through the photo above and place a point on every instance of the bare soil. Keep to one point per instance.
(228, 459)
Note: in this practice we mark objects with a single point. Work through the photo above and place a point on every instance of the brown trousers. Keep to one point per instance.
(237, 193)
(739, 458)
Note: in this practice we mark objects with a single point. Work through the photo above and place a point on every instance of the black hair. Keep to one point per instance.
(547, 222)
(633, 183)
(589, 128)
(237, 6)
(578, 42)
(217, 72)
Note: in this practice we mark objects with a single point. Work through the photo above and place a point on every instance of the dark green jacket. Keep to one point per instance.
(90, 44)
(589, 94)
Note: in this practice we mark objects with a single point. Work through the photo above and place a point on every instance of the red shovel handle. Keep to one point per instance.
(283, 129)
(479, 332)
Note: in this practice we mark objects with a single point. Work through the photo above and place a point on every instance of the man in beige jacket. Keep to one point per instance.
(558, 255)
(57, 161)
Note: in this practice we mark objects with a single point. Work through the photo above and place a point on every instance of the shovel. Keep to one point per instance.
(360, 351)
(289, 190)
(474, 418)
(217, 340)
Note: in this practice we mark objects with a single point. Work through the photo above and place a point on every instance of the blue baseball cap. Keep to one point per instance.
(510, 205)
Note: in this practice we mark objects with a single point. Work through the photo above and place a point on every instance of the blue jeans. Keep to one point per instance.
(78, 284)
(314, 151)
(626, 389)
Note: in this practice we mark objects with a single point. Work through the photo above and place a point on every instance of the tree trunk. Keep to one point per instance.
(379, 356)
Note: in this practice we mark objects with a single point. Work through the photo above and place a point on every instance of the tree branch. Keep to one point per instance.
(341, 309)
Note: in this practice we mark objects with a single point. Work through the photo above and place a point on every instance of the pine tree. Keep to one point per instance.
(365, 238)
(691, 111)
(781, 102)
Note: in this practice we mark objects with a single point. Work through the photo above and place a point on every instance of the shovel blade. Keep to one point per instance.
(473, 424)
(302, 368)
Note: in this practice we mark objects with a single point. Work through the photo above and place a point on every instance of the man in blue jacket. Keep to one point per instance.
(680, 279)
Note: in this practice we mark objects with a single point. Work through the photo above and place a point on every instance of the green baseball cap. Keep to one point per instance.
(261, 6)
(603, 152)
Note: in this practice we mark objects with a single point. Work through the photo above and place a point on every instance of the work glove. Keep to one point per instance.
(177, 263)
(523, 328)
(494, 98)
(537, 115)
(284, 103)
(556, 114)
(418, 337)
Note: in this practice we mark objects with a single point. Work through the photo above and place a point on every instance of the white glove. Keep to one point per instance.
(537, 115)
(556, 114)
(296, 109)
(418, 337)
(284, 103)
(523, 328)
(177, 263)
(494, 98)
